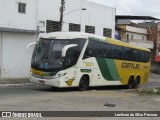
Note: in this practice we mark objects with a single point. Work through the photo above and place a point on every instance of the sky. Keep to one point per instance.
(134, 7)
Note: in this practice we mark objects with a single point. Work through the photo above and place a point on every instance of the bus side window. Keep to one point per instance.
(108, 49)
(135, 55)
(147, 56)
(118, 52)
(88, 52)
(123, 53)
(95, 49)
(71, 57)
(104, 50)
(78, 49)
(92, 49)
(128, 53)
(113, 54)
(142, 57)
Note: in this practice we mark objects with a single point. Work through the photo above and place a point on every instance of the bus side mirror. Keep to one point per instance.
(85, 57)
(29, 45)
(64, 50)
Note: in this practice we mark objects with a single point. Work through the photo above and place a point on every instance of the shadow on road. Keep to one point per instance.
(111, 88)
(54, 89)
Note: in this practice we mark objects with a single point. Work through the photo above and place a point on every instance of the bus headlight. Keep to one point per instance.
(59, 75)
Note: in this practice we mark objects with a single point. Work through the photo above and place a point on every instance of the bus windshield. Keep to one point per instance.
(47, 55)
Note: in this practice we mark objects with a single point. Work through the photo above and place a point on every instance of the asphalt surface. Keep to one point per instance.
(44, 98)
(154, 81)
(31, 97)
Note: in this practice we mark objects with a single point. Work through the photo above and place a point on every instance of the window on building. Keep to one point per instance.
(107, 32)
(22, 7)
(90, 29)
(132, 37)
(142, 37)
(74, 27)
(52, 26)
(127, 37)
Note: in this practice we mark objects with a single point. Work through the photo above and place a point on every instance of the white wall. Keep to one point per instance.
(0, 52)
(49, 10)
(147, 44)
(10, 18)
(15, 60)
(136, 30)
(96, 15)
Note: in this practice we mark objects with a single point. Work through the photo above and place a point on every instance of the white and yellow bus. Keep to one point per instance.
(71, 59)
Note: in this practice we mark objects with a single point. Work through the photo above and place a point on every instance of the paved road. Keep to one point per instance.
(43, 98)
(154, 80)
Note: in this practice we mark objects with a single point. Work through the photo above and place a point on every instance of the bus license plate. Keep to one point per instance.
(41, 81)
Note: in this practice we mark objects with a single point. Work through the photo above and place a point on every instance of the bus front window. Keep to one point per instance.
(47, 55)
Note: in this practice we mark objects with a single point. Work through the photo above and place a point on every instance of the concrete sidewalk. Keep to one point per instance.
(14, 81)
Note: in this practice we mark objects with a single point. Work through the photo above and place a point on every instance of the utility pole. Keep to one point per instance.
(61, 14)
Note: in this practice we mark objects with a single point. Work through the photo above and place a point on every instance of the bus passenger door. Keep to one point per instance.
(71, 58)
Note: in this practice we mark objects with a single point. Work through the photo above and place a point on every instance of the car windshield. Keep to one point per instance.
(47, 55)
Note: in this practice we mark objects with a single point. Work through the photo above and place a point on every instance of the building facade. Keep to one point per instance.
(135, 36)
(153, 29)
(22, 21)
(97, 19)
(17, 29)
(144, 34)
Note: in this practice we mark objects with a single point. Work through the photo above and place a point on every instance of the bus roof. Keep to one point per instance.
(70, 35)
(120, 43)
(73, 35)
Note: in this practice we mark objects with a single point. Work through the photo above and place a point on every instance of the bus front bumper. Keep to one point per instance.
(49, 82)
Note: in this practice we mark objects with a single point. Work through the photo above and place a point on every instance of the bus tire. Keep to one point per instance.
(83, 84)
(130, 84)
(137, 82)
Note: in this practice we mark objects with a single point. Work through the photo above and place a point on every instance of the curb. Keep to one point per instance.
(18, 85)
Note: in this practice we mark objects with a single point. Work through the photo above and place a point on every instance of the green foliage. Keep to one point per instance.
(149, 91)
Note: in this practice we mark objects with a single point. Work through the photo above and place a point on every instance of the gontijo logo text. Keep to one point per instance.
(130, 65)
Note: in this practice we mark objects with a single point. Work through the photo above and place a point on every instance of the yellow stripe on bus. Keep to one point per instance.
(36, 72)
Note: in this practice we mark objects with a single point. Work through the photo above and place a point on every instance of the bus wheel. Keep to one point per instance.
(137, 82)
(83, 84)
(130, 83)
